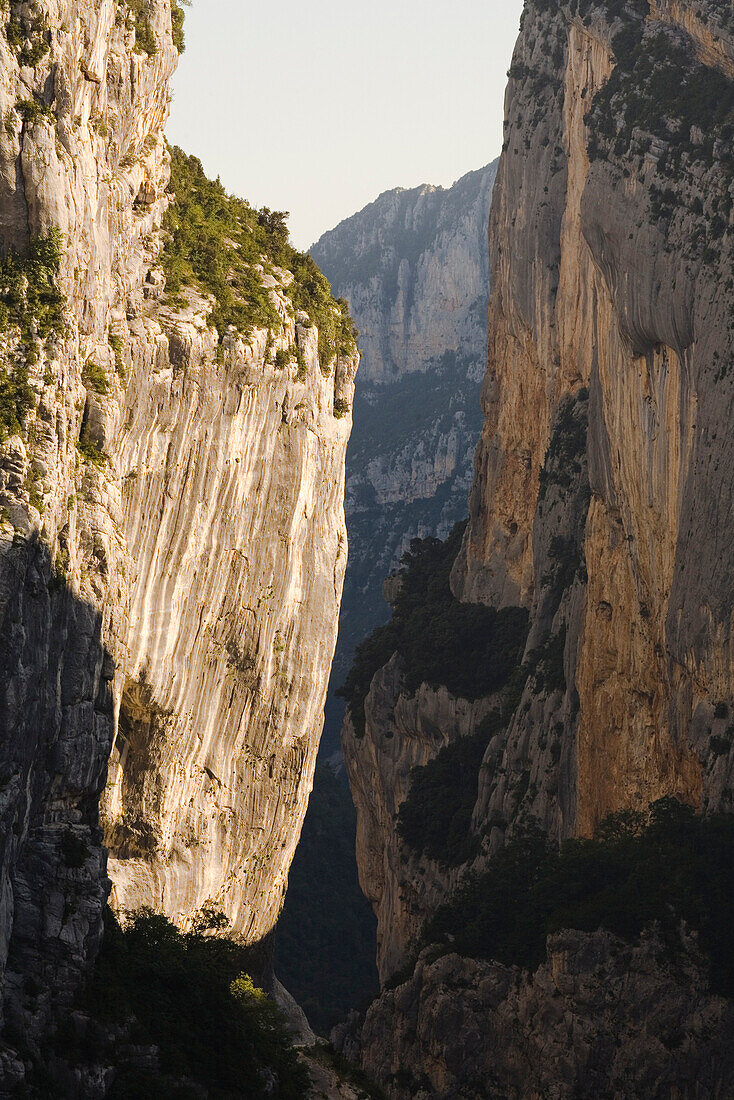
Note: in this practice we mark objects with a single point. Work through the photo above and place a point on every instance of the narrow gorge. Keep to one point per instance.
(536, 687)
(414, 268)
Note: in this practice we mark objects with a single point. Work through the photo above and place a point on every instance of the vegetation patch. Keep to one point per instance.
(435, 818)
(567, 447)
(665, 867)
(92, 452)
(116, 344)
(137, 17)
(95, 377)
(177, 23)
(31, 311)
(191, 997)
(659, 86)
(28, 33)
(221, 245)
(33, 110)
(471, 649)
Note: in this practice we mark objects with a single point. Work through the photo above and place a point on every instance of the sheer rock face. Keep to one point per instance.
(414, 268)
(171, 551)
(233, 487)
(601, 281)
(600, 1018)
(63, 599)
(413, 265)
(602, 491)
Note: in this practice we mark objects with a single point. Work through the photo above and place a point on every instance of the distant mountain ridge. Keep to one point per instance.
(414, 267)
(413, 263)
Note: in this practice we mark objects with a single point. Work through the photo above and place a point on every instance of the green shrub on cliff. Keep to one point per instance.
(436, 816)
(471, 649)
(177, 23)
(139, 18)
(219, 244)
(664, 867)
(95, 377)
(31, 310)
(28, 33)
(659, 86)
(191, 997)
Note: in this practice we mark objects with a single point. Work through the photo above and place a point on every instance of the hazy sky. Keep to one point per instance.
(316, 107)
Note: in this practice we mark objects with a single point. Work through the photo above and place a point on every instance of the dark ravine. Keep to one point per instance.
(601, 505)
(413, 266)
(325, 939)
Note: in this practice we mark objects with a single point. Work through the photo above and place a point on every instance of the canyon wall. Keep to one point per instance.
(171, 516)
(602, 487)
(600, 1018)
(611, 261)
(413, 266)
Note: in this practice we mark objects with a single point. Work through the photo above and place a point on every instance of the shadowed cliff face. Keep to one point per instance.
(599, 1018)
(56, 727)
(81, 151)
(172, 537)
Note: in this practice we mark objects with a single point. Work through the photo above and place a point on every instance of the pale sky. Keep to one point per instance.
(317, 107)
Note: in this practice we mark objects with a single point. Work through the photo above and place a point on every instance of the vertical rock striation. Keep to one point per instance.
(172, 537)
(610, 261)
(233, 483)
(81, 151)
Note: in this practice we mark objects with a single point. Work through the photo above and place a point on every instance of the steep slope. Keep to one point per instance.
(233, 468)
(602, 487)
(413, 266)
(171, 510)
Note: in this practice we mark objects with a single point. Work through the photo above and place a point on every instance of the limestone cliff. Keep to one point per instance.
(611, 263)
(171, 516)
(602, 481)
(413, 266)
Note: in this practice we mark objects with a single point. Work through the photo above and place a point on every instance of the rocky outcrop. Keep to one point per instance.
(173, 538)
(233, 477)
(413, 266)
(600, 1018)
(402, 732)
